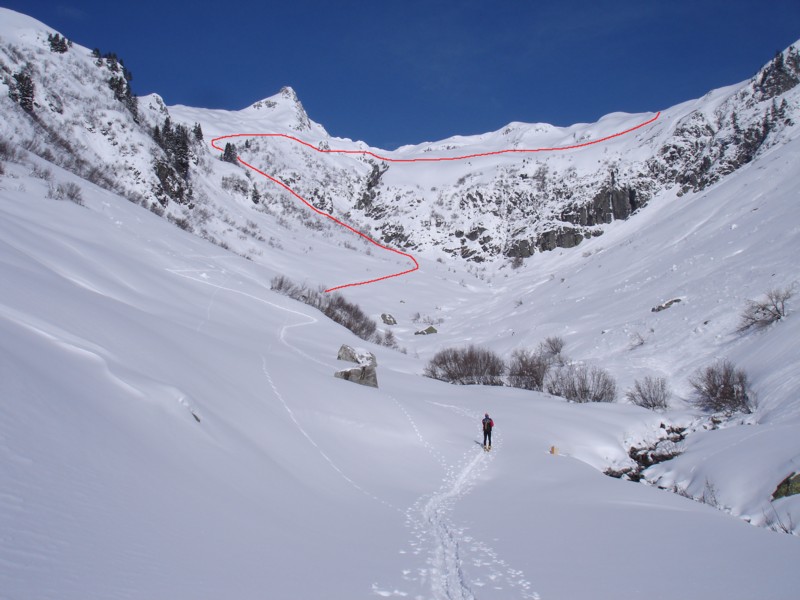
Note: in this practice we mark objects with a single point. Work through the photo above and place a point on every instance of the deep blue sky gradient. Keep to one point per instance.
(397, 72)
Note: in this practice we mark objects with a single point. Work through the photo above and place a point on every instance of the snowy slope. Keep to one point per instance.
(119, 328)
(169, 427)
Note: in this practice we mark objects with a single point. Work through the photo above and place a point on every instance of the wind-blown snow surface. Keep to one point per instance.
(170, 428)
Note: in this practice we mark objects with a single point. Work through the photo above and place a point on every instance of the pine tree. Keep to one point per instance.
(229, 155)
(783, 113)
(198, 132)
(58, 43)
(23, 91)
(119, 84)
(181, 154)
(735, 123)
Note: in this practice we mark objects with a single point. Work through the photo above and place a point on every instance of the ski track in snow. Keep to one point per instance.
(282, 334)
(458, 566)
(447, 546)
(319, 449)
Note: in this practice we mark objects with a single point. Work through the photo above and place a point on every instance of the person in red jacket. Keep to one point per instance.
(487, 431)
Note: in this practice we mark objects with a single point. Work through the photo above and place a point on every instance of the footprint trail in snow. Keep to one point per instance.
(457, 566)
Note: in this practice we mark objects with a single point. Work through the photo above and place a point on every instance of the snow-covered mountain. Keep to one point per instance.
(171, 427)
(83, 116)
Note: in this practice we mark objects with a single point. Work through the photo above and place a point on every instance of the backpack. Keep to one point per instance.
(487, 424)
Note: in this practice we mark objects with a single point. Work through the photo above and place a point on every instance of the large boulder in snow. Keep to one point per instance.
(364, 375)
(388, 319)
(357, 355)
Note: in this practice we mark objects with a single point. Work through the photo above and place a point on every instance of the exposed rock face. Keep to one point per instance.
(364, 375)
(516, 211)
(427, 331)
(788, 487)
(666, 448)
(357, 355)
(388, 319)
(665, 305)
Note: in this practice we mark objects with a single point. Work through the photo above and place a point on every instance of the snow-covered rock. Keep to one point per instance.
(357, 355)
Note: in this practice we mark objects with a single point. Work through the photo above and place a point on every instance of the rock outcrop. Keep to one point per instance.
(357, 355)
(364, 374)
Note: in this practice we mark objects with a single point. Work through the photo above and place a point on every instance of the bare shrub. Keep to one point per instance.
(722, 388)
(66, 191)
(42, 173)
(99, 176)
(466, 366)
(334, 306)
(71, 191)
(9, 152)
(182, 222)
(389, 339)
(282, 284)
(235, 184)
(710, 495)
(554, 345)
(637, 339)
(528, 369)
(652, 393)
(761, 313)
(348, 315)
(581, 383)
(775, 523)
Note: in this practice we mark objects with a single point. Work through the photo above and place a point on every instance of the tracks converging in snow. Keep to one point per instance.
(447, 576)
(457, 565)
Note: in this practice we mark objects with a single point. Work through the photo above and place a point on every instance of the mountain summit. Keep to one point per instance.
(294, 116)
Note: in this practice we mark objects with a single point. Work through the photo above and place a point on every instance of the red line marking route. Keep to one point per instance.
(280, 183)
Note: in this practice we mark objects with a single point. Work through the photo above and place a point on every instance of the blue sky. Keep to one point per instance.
(396, 72)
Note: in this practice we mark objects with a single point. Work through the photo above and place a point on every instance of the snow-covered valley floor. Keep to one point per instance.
(170, 428)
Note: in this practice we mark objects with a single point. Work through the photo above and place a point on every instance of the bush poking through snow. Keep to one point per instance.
(652, 393)
(9, 152)
(553, 345)
(467, 366)
(722, 388)
(775, 523)
(581, 383)
(761, 313)
(528, 369)
(42, 173)
(334, 306)
(66, 191)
